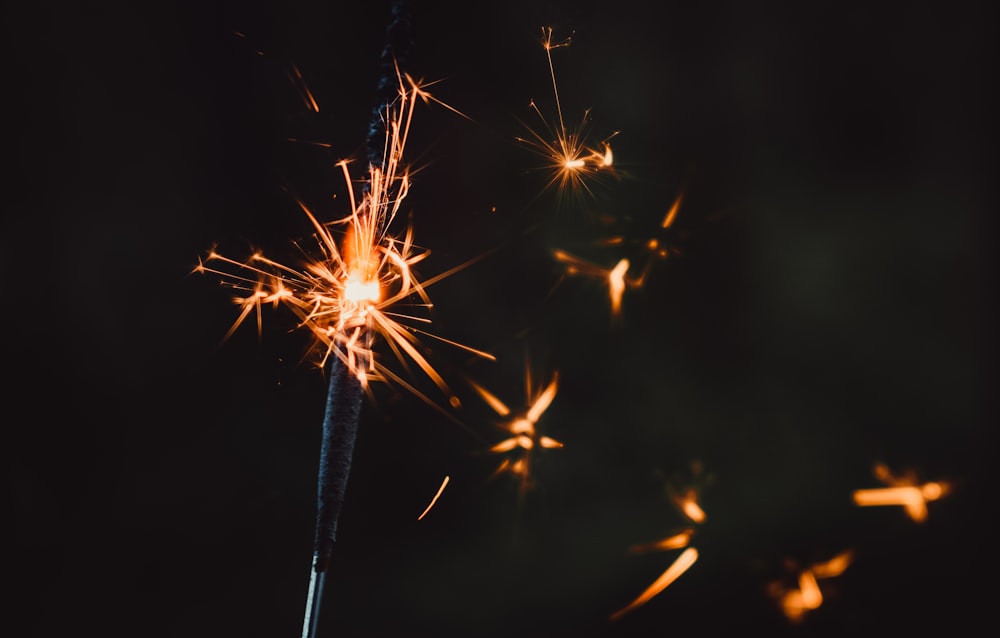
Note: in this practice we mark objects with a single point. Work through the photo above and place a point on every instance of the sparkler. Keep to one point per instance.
(345, 292)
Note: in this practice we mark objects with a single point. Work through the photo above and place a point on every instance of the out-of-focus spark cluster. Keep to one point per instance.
(686, 501)
(904, 490)
(348, 288)
(524, 436)
(801, 592)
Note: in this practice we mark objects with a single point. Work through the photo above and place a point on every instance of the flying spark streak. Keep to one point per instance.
(570, 158)
(806, 595)
(524, 436)
(344, 291)
(683, 562)
(434, 500)
(902, 491)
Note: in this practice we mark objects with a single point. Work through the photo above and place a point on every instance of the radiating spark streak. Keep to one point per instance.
(677, 541)
(902, 491)
(672, 573)
(435, 499)
(345, 290)
(544, 400)
(569, 157)
(498, 406)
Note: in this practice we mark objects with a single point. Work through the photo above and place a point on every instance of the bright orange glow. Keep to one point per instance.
(522, 427)
(672, 573)
(903, 491)
(568, 155)
(342, 292)
(434, 500)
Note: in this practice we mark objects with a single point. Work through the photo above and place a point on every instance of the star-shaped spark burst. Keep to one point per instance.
(903, 490)
(524, 436)
(801, 593)
(686, 500)
(571, 160)
(347, 289)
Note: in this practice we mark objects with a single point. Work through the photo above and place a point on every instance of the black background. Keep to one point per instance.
(832, 307)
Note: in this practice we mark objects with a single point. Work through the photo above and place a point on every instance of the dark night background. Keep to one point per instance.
(832, 307)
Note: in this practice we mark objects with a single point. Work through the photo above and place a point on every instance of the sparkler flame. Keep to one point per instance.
(344, 291)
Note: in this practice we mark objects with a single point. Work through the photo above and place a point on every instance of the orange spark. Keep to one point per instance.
(904, 491)
(672, 573)
(570, 158)
(344, 290)
(524, 435)
(435, 499)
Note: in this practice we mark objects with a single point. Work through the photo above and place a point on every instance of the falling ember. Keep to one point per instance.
(806, 595)
(903, 491)
(522, 427)
(570, 158)
(344, 290)
(434, 500)
(672, 573)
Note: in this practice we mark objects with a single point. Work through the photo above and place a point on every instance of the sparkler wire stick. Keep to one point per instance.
(345, 391)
